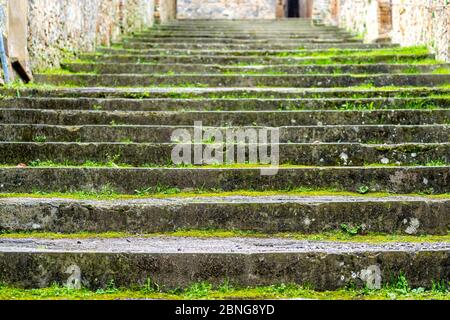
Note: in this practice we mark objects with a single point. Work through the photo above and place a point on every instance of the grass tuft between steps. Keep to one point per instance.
(161, 191)
(346, 234)
(397, 289)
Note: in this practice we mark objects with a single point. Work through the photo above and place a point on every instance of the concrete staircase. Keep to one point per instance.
(364, 145)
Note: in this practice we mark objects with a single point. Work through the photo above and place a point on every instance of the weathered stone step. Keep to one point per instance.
(127, 68)
(172, 263)
(251, 60)
(205, 38)
(275, 40)
(269, 214)
(247, 80)
(225, 118)
(255, 31)
(310, 34)
(270, 32)
(295, 134)
(134, 154)
(242, 25)
(400, 180)
(269, 46)
(225, 104)
(242, 52)
(182, 93)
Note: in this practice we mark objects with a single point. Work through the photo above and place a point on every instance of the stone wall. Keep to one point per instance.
(226, 9)
(406, 22)
(58, 27)
(321, 10)
(167, 10)
(423, 22)
(3, 18)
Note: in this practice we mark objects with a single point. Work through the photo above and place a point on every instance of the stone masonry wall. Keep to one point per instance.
(3, 19)
(59, 27)
(321, 10)
(406, 22)
(423, 22)
(226, 9)
(167, 10)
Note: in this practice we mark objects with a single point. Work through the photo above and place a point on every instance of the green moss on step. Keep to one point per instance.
(160, 191)
(398, 288)
(337, 236)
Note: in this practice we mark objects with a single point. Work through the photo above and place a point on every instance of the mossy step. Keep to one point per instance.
(178, 262)
(257, 37)
(299, 81)
(118, 49)
(268, 214)
(225, 118)
(248, 60)
(129, 180)
(170, 68)
(250, 40)
(298, 52)
(293, 134)
(202, 291)
(248, 33)
(315, 95)
(268, 46)
(135, 154)
(244, 33)
(197, 103)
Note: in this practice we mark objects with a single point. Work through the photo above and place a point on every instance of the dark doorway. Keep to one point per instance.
(293, 9)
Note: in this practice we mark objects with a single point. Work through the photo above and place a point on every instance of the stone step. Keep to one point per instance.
(247, 80)
(172, 263)
(252, 60)
(283, 30)
(206, 38)
(127, 68)
(226, 104)
(269, 46)
(243, 26)
(225, 118)
(145, 154)
(198, 93)
(275, 40)
(268, 214)
(268, 32)
(311, 34)
(375, 134)
(399, 180)
(247, 52)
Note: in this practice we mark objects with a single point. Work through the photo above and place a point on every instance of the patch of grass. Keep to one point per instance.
(255, 72)
(158, 189)
(351, 230)
(40, 139)
(441, 71)
(334, 52)
(398, 288)
(111, 163)
(108, 193)
(348, 233)
(436, 163)
(225, 291)
(64, 72)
